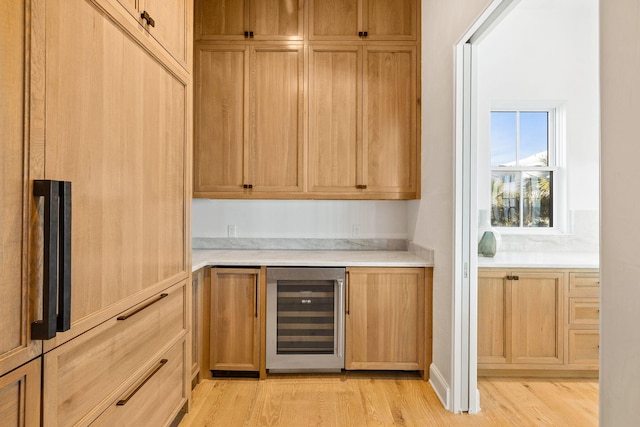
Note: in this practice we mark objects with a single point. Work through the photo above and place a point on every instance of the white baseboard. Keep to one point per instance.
(440, 386)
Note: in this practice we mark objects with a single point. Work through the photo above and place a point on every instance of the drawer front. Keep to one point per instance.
(584, 283)
(584, 347)
(156, 397)
(83, 373)
(584, 311)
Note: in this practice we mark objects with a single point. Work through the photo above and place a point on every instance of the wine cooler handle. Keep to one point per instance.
(56, 292)
(340, 314)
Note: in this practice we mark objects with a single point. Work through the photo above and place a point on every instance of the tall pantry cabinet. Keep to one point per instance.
(98, 95)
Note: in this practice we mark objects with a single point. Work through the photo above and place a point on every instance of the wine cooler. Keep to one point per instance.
(305, 319)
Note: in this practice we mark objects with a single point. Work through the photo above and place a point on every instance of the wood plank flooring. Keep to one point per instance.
(387, 399)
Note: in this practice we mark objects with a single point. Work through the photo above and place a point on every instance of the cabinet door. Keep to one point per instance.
(537, 318)
(378, 19)
(335, 19)
(221, 19)
(493, 313)
(276, 119)
(389, 130)
(235, 324)
(584, 347)
(391, 19)
(221, 121)
(385, 318)
(277, 19)
(117, 129)
(20, 396)
(335, 118)
(16, 311)
(172, 25)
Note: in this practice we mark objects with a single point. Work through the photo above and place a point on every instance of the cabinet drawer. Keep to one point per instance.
(584, 347)
(584, 283)
(156, 397)
(85, 372)
(584, 311)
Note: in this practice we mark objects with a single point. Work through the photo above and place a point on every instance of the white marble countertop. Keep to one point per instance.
(307, 258)
(541, 260)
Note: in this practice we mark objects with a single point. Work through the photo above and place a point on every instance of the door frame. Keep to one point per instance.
(465, 394)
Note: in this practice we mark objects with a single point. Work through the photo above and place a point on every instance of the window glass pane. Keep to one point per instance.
(534, 138)
(537, 199)
(505, 199)
(503, 138)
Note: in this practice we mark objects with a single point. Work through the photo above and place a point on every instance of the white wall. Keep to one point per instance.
(620, 233)
(545, 52)
(444, 22)
(301, 218)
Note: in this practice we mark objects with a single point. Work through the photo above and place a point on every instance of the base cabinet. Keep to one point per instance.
(20, 396)
(86, 376)
(537, 320)
(385, 318)
(236, 310)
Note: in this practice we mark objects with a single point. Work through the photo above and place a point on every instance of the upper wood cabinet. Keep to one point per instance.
(249, 19)
(363, 121)
(363, 19)
(167, 22)
(249, 120)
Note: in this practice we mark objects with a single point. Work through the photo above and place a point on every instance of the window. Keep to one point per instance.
(523, 168)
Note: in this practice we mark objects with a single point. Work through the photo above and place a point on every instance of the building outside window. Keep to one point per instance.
(523, 168)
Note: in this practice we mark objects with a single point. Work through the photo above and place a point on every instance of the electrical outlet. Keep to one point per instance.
(231, 230)
(355, 230)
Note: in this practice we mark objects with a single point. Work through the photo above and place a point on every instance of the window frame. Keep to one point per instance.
(555, 150)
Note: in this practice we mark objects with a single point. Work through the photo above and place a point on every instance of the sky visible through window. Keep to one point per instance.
(504, 132)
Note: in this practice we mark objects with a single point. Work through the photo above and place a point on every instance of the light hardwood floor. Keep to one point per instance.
(387, 399)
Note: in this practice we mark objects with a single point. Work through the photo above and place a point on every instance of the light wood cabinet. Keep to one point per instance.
(249, 20)
(340, 123)
(92, 98)
(20, 396)
(362, 121)
(249, 120)
(236, 311)
(363, 19)
(538, 320)
(520, 318)
(163, 381)
(168, 22)
(88, 374)
(583, 320)
(385, 321)
(16, 310)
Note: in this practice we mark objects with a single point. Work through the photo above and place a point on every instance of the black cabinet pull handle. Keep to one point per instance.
(365, 34)
(145, 16)
(360, 34)
(246, 34)
(251, 34)
(56, 260)
(142, 307)
(361, 186)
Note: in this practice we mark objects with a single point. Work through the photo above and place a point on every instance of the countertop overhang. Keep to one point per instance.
(306, 258)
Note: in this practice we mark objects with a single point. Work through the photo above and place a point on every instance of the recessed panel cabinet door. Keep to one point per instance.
(116, 128)
(389, 131)
(537, 318)
(335, 118)
(16, 312)
(221, 118)
(276, 119)
(20, 396)
(221, 19)
(334, 19)
(493, 321)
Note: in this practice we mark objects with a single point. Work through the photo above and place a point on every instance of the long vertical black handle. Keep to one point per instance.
(56, 289)
(46, 328)
(64, 259)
